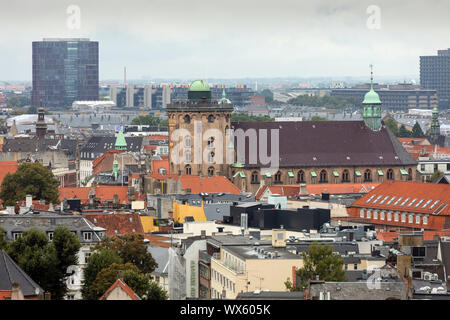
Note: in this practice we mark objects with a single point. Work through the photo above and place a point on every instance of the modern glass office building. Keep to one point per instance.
(435, 74)
(64, 71)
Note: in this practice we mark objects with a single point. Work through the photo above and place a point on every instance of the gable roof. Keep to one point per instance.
(99, 144)
(330, 143)
(214, 184)
(102, 192)
(432, 198)
(122, 223)
(122, 285)
(11, 273)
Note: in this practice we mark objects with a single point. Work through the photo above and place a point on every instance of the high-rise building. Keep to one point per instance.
(64, 71)
(435, 74)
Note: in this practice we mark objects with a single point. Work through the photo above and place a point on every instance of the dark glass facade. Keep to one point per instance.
(64, 71)
(435, 74)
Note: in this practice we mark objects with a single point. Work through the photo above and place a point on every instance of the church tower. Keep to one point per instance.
(372, 107)
(435, 130)
(41, 125)
(198, 132)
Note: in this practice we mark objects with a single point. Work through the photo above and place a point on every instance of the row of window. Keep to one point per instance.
(87, 236)
(188, 170)
(394, 216)
(224, 281)
(323, 176)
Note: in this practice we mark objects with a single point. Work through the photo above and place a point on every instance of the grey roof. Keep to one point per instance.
(98, 145)
(47, 222)
(36, 144)
(11, 273)
(216, 211)
(231, 240)
(161, 256)
(270, 295)
(251, 252)
(343, 248)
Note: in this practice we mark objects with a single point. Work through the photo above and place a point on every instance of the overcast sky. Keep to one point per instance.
(231, 38)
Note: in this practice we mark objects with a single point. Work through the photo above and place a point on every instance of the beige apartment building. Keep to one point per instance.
(250, 268)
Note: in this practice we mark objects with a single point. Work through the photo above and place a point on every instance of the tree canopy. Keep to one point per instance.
(403, 132)
(438, 174)
(317, 118)
(243, 117)
(329, 102)
(18, 101)
(30, 178)
(46, 262)
(319, 261)
(97, 262)
(150, 121)
(268, 95)
(417, 131)
(130, 248)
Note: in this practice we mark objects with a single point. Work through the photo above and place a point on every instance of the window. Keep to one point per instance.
(367, 175)
(86, 256)
(255, 177)
(50, 236)
(211, 171)
(345, 176)
(396, 217)
(375, 215)
(435, 167)
(403, 217)
(17, 235)
(368, 214)
(390, 174)
(323, 176)
(187, 141)
(211, 157)
(87, 236)
(361, 213)
(411, 218)
(422, 167)
(409, 174)
(210, 118)
(211, 142)
(187, 119)
(425, 219)
(187, 169)
(389, 216)
(355, 266)
(278, 177)
(382, 215)
(418, 219)
(301, 176)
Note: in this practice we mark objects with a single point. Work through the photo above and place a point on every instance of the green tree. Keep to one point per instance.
(141, 284)
(30, 178)
(3, 241)
(46, 262)
(32, 110)
(243, 117)
(392, 125)
(328, 101)
(417, 131)
(320, 261)
(131, 248)
(97, 262)
(149, 120)
(317, 118)
(437, 175)
(403, 132)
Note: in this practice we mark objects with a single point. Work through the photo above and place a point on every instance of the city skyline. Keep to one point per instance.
(232, 40)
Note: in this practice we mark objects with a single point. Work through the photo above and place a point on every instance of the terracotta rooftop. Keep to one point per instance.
(117, 224)
(215, 184)
(7, 167)
(103, 192)
(120, 283)
(417, 197)
(428, 235)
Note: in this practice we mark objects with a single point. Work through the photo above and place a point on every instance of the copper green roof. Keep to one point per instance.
(237, 165)
(199, 85)
(224, 99)
(121, 143)
(372, 97)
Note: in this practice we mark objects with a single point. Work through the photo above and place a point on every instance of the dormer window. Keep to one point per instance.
(87, 236)
(16, 235)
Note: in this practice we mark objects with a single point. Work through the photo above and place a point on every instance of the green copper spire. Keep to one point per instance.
(121, 143)
(224, 99)
(372, 107)
(435, 130)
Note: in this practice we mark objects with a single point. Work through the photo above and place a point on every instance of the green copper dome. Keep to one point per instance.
(199, 85)
(372, 97)
(121, 143)
(224, 99)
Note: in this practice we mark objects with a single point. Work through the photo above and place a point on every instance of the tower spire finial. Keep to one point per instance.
(371, 75)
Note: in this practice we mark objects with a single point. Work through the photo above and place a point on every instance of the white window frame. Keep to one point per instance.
(425, 219)
(389, 216)
(411, 218)
(87, 236)
(50, 236)
(375, 215)
(361, 213)
(369, 214)
(382, 215)
(404, 217)
(396, 216)
(418, 219)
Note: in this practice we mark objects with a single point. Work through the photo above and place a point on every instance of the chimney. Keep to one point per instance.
(29, 201)
(16, 292)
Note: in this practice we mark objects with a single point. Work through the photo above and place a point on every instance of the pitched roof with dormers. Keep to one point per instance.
(117, 224)
(214, 184)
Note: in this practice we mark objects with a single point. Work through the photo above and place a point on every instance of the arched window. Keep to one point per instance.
(409, 174)
(345, 176)
(323, 176)
(255, 177)
(188, 157)
(187, 119)
(277, 177)
(187, 141)
(367, 175)
(390, 174)
(211, 157)
(210, 118)
(301, 176)
(187, 169)
(211, 142)
(210, 171)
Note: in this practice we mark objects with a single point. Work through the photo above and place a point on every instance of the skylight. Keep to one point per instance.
(404, 202)
(385, 198)
(434, 204)
(419, 203)
(390, 201)
(411, 203)
(396, 202)
(370, 199)
(426, 204)
(376, 200)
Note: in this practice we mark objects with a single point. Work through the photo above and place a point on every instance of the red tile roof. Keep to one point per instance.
(105, 161)
(103, 192)
(428, 235)
(81, 193)
(158, 137)
(428, 192)
(159, 241)
(124, 287)
(412, 140)
(158, 164)
(122, 223)
(215, 184)
(7, 167)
